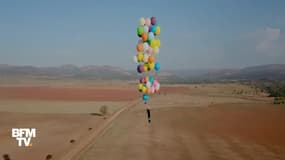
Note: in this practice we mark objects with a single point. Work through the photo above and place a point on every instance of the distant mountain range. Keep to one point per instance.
(262, 72)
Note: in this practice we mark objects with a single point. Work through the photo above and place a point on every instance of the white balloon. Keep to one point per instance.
(145, 46)
(157, 86)
(145, 57)
(145, 29)
(150, 36)
(152, 89)
(148, 84)
(135, 59)
(148, 22)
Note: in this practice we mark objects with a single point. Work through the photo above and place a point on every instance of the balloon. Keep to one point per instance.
(153, 20)
(146, 79)
(155, 50)
(145, 97)
(149, 51)
(151, 66)
(148, 84)
(157, 86)
(148, 91)
(157, 66)
(157, 31)
(145, 57)
(150, 59)
(152, 29)
(141, 68)
(151, 79)
(144, 89)
(145, 46)
(142, 21)
(148, 41)
(146, 29)
(138, 69)
(157, 42)
(140, 30)
(145, 68)
(140, 57)
(140, 86)
(152, 89)
(135, 59)
(153, 43)
(147, 21)
(144, 36)
(150, 35)
(139, 47)
(141, 80)
(155, 82)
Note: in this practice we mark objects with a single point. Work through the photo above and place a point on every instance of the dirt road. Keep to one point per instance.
(224, 131)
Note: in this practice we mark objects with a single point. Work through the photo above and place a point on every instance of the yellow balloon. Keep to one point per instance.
(151, 66)
(145, 67)
(143, 89)
(142, 21)
(157, 32)
(153, 43)
(155, 50)
(157, 43)
(140, 57)
(140, 86)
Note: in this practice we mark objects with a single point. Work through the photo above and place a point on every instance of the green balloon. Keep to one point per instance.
(140, 30)
(148, 41)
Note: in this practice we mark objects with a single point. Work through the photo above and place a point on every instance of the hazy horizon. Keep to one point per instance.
(194, 34)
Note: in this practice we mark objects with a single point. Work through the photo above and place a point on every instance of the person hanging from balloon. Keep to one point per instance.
(147, 48)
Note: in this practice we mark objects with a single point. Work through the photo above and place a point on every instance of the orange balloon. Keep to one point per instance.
(146, 79)
(140, 47)
(150, 59)
(144, 36)
(148, 91)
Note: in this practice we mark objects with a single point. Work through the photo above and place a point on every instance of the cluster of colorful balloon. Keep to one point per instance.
(147, 48)
(148, 45)
(148, 85)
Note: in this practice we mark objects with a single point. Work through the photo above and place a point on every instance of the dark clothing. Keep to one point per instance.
(148, 115)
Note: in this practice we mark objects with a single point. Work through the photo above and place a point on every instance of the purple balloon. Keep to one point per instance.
(141, 68)
(153, 20)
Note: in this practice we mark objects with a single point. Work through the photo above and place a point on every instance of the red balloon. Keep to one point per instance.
(153, 20)
(141, 80)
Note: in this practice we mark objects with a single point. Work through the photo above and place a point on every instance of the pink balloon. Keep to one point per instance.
(152, 89)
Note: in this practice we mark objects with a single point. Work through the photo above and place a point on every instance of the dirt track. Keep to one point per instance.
(237, 131)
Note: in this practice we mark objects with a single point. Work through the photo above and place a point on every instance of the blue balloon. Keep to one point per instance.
(157, 66)
(145, 97)
(151, 79)
(153, 28)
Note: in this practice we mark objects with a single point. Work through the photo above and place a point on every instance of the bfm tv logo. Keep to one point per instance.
(24, 135)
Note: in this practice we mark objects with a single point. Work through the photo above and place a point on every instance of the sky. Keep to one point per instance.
(195, 34)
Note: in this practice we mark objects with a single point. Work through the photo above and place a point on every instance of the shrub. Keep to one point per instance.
(6, 157)
(49, 157)
(103, 110)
